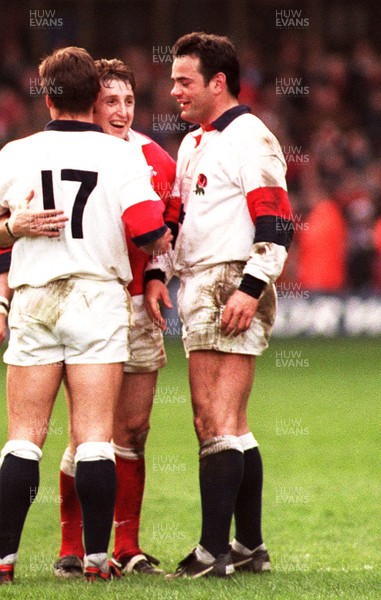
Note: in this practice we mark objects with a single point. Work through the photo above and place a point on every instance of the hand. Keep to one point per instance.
(156, 292)
(159, 246)
(238, 313)
(47, 223)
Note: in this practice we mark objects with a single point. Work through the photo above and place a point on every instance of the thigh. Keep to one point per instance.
(133, 409)
(220, 388)
(31, 392)
(93, 391)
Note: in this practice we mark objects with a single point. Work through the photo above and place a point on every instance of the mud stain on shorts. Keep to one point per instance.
(229, 284)
(46, 304)
(266, 310)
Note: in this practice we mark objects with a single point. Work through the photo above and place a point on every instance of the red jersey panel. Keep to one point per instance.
(163, 177)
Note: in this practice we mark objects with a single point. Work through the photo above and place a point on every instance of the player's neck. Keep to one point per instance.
(219, 110)
(66, 116)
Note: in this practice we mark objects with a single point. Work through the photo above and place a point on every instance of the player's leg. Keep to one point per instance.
(70, 562)
(94, 389)
(31, 392)
(220, 383)
(71, 552)
(248, 550)
(130, 430)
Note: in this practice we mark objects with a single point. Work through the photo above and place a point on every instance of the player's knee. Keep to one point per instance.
(21, 449)
(133, 435)
(91, 451)
(208, 426)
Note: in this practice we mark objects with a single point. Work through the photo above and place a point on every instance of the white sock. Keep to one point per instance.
(97, 560)
(245, 551)
(204, 555)
(10, 559)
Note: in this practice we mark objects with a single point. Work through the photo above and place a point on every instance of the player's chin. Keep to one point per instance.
(120, 132)
(186, 115)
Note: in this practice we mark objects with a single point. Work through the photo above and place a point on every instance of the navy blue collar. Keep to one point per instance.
(67, 125)
(227, 117)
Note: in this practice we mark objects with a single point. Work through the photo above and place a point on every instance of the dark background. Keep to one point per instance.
(310, 70)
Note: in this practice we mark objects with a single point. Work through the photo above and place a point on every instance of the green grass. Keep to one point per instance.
(315, 410)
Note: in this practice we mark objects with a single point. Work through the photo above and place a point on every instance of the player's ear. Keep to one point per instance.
(219, 82)
(48, 102)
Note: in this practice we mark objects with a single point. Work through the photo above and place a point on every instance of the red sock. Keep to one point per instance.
(71, 518)
(130, 474)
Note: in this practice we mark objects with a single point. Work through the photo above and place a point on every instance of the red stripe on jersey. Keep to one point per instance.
(138, 262)
(143, 217)
(269, 201)
(172, 211)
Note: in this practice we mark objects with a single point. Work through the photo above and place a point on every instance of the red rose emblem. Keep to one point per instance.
(201, 184)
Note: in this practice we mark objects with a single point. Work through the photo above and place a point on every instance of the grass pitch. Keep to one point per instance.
(315, 409)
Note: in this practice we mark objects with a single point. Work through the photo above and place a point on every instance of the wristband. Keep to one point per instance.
(252, 286)
(10, 232)
(154, 274)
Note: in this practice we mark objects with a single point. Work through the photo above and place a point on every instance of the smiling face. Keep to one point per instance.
(114, 109)
(198, 101)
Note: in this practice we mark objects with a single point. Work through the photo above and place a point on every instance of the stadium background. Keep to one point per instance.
(311, 70)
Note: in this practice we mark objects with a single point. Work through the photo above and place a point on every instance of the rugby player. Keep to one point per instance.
(64, 283)
(114, 112)
(232, 245)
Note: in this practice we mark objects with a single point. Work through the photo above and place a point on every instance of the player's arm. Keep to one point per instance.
(5, 292)
(159, 270)
(24, 222)
(270, 211)
(145, 226)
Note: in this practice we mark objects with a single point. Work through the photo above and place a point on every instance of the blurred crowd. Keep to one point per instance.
(323, 106)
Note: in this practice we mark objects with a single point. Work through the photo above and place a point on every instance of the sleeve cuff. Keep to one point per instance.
(150, 236)
(252, 286)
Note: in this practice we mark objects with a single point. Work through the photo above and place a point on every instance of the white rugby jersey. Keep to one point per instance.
(231, 180)
(95, 178)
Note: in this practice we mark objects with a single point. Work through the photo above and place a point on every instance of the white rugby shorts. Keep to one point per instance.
(76, 321)
(202, 298)
(145, 341)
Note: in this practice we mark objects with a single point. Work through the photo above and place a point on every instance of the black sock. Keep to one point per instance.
(95, 483)
(19, 481)
(220, 478)
(248, 508)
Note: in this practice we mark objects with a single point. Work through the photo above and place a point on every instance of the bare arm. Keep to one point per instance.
(24, 222)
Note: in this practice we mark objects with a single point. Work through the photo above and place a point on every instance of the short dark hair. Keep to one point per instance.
(70, 79)
(115, 69)
(216, 53)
